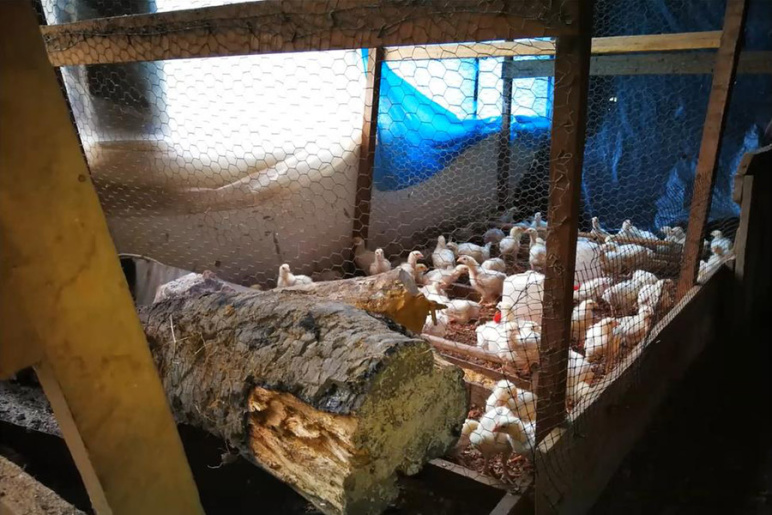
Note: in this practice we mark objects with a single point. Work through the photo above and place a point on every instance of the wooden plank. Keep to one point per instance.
(674, 63)
(478, 394)
(513, 504)
(294, 26)
(533, 47)
(468, 473)
(367, 150)
(72, 293)
(572, 66)
(712, 133)
(503, 160)
(579, 459)
(442, 344)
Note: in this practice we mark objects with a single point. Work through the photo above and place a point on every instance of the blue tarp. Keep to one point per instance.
(644, 131)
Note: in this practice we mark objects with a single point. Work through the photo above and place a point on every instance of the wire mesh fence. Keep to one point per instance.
(249, 166)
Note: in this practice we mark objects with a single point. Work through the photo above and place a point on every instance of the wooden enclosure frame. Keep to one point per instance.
(276, 26)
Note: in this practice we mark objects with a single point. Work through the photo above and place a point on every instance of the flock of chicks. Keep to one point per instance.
(618, 288)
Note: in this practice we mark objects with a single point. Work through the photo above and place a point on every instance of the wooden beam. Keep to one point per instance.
(503, 159)
(294, 26)
(672, 63)
(367, 150)
(572, 67)
(712, 133)
(533, 47)
(72, 295)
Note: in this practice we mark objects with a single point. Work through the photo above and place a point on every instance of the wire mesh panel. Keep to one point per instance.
(252, 166)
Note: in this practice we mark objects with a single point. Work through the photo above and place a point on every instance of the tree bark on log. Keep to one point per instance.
(393, 294)
(328, 398)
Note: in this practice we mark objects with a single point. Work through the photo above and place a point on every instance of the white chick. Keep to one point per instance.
(720, 241)
(420, 273)
(436, 329)
(380, 264)
(522, 296)
(496, 264)
(593, 289)
(510, 246)
(628, 230)
(287, 278)
(633, 329)
(462, 311)
(653, 294)
(538, 223)
(581, 320)
(443, 257)
(707, 268)
(477, 252)
(488, 283)
(469, 426)
(674, 234)
(412, 263)
(488, 440)
(601, 340)
(614, 257)
(524, 341)
(521, 402)
(433, 293)
(442, 278)
(623, 296)
(537, 255)
(644, 277)
(522, 435)
(494, 235)
(577, 392)
(362, 257)
(579, 369)
(492, 337)
(597, 230)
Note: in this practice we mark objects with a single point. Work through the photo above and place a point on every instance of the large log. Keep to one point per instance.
(328, 398)
(393, 294)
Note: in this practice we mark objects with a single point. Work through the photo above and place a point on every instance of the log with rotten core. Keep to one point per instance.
(329, 398)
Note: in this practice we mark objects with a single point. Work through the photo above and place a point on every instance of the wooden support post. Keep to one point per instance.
(503, 162)
(572, 67)
(59, 263)
(367, 151)
(712, 133)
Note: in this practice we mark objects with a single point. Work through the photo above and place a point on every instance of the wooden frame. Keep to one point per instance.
(712, 134)
(296, 25)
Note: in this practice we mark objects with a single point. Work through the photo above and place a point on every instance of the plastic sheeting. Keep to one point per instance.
(643, 132)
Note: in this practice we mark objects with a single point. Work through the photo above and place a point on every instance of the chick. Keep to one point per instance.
(720, 241)
(581, 320)
(363, 258)
(538, 223)
(521, 402)
(601, 340)
(628, 230)
(644, 277)
(438, 328)
(615, 258)
(623, 296)
(412, 263)
(593, 289)
(420, 273)
(488, 283)
(380, 264)
(494, 235)
(655, 295)
(287, 278)
(443, 257)
(442, 278)
(674, 234)
(537, 255)
(510, 246)
(579, 371)
(469, 426)
(524, 339)
(462, 311)
(598, 231)
(633, 329)
(488, 440)
(477, 252)
(522, 435)
(491, 336)
(496, 264)
(522, 295)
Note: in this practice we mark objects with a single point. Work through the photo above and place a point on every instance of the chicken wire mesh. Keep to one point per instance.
(248, 166)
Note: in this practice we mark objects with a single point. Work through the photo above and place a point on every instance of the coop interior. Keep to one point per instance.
(387, 257)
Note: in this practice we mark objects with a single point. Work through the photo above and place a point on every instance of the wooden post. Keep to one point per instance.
(503, 162)
(68, 296)
(712, 133)
(367, 151)
(572, 67)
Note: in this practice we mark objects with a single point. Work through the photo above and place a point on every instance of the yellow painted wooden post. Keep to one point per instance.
(64, 298)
